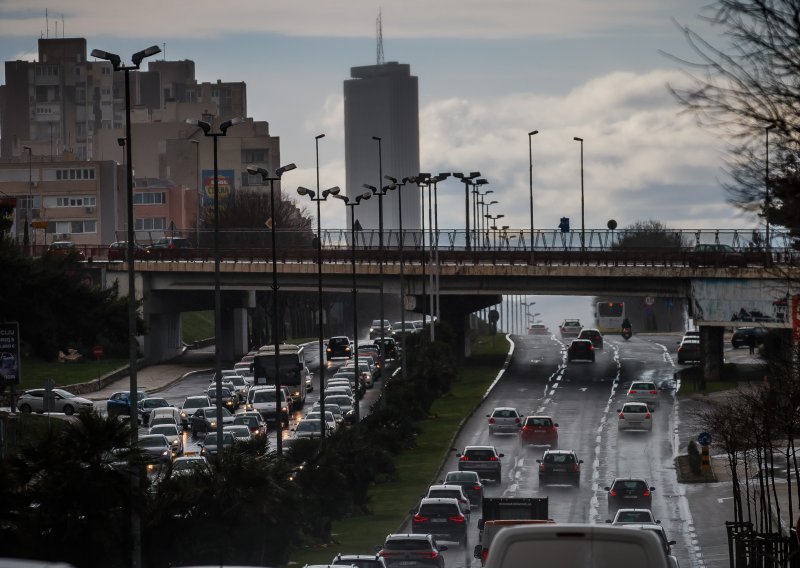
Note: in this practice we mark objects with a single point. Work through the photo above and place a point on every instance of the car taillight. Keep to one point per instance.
(526, 428)
(631, 391)
(484, 554)
(432, 554)
(646, 493)
(613, 492)
(654, 392)
(493, 459)
(576, 467)
(516, 421)
(622, 416)
(477, 488)
(591, 348)
(491, 420)
(541, 467)
(464, 459)
(647, 416)
(457, 519)
(420, 519)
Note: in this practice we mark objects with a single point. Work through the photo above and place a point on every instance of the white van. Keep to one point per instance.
(576, 546)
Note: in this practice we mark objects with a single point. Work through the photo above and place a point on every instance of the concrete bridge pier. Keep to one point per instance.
(712, 345)
(456, 311)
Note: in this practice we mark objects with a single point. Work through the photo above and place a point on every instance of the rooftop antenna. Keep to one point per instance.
(379, 32)
(62, 25)
(47, 23)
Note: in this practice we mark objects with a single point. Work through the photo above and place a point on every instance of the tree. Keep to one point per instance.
(745, 87)
(648, 234)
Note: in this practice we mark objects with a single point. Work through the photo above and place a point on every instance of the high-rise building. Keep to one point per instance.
(382, 100)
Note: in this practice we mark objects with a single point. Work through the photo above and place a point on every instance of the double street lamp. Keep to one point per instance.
(493, 227)
(133, 346)
(531, 134)
(583, 220)
(399, 186)
(319, 198)
(223, 131)
(467, 180)
(352, 204)
(276, 339)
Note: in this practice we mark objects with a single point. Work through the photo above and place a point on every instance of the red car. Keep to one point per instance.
(539, 431)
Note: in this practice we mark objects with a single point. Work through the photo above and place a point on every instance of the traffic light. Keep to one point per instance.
(564, 225)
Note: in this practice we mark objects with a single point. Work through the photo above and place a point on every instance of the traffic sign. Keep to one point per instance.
(39, 224)
(9, 353)
(649, 300)
(704, 439)
(494, 316)
(98, 351)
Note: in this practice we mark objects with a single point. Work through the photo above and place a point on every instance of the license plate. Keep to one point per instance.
(631, 496)
(406, 563)
(438, 520)
(559, 469)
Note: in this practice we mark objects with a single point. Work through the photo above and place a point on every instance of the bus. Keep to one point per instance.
(609, 316)
(291, 370)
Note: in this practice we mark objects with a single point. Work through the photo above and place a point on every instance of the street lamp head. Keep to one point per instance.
(203, 125)
(318, 136)
(473, 175)
(425, 175)
(493, 202)
(137, 57)
(283, 169)
(391, 179)
(332, 191)
(458, 175)
(533, 132)
(378, 138)
(113, 58)
(365, 195)
(228, 123)
(372, 188)
(256, 170)
(444, 175)
(305, 191)
(481, 181)
(577, 139)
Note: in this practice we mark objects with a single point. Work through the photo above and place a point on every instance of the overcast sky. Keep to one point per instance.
(489, 72)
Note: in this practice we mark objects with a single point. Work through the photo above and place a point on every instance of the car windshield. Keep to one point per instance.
(407, 544)
(165, 429)
(446, 493)
(559, 458)
(634, 517)
(308, 425)
(183, 465)
(266, 396)
(629, 485)
(459, 476)
(479, 455)
(505, 413)
(63, 393)
(339, 341)
(154, 403)
(242, 431)
(152, 442)
(643, 386)
(249, 421)
(438, 509)
(195, 403)
(634, 408)
(340, 400)
(211, 438)
(540, 422)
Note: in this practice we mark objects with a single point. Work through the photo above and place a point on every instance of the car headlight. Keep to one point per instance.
(183, 415)
(165, 453)
(214, 424)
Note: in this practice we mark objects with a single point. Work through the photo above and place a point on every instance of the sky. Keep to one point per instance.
(489, 72)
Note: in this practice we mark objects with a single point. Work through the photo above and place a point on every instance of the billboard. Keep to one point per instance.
(741, 301)
(9, 353)
(226, 184)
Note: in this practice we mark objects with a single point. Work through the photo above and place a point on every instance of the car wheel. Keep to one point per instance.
(26, 408)
(68, 410)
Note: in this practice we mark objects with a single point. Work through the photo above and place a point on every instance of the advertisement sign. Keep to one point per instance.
(9, 353)
(796, 318)
(739, 301)
(226, 184)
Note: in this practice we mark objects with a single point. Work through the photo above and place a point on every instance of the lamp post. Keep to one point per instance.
(352, 204)
(398, 186)
(422, 179)
(583, 220)
(380, 192)
(197, 191)
(476, 215)
(116, 62)
(223, 130)
(276, 339)
(467, 179)
(531, 134)
(766, 189)
(25, 235)
(493, 219)
(319, 198)
(441, 177)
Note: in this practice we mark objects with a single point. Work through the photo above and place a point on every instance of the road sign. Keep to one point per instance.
(98, 351)
(9, 353)
(704, 439)
(39, 224)
(649, 300)
(494, 316)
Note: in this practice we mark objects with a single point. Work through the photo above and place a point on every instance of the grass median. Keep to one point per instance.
(391, 502)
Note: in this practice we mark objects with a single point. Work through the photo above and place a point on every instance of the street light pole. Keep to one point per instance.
(352, 205)
(223, 130)
(133, 346)
(25, 234)
(399, 187)
(276, 339)
(196, 191)
(531, 134)
(583, 220)
(381, 192)
(467, 179)
(435, 308)
(493, 219)
(766, 189)
(316, 197)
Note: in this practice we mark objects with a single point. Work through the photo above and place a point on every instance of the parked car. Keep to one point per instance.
(119, 403)
(743, 335)
(559, 466)
(65, 248)
(643, 391)
(634, 416)
(580, 350)
(63, 401)
(441, 517)
(689, 350)
(504, 420)
(627, 492)
(484, 460)
(592, 335)
(339, 347)
(118, 251)
(539, 431)
(412, 551)
(470, 483)
(570, 328)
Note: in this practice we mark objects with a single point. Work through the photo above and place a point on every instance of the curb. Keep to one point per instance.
(183, 376)
(460, 427)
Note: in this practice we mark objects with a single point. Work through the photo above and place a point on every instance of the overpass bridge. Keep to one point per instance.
(467, 279)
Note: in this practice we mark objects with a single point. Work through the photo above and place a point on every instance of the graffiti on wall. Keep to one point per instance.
(741, 301)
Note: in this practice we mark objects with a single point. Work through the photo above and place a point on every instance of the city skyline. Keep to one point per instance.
(485, 81)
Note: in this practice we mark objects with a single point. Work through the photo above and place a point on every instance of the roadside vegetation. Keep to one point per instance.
(197, 326)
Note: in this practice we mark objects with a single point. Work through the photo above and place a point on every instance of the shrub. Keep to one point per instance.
(694, 457)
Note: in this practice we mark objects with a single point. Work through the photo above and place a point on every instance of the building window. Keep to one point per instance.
(72, 227)
(150, 224)
(75, 173)
(254, 155)
(69, 201)
(149, 198)
(248, 180)
(25, 202)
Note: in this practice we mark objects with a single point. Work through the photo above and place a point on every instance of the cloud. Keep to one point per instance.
(472, 19)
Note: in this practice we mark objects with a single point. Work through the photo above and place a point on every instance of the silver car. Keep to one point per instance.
(173, 434)
(505, 420)
(643, 391)
(66, 402)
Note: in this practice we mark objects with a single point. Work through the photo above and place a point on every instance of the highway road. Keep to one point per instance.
(583, 399)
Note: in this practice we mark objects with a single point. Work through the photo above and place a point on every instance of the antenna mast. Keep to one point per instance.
(379, 33)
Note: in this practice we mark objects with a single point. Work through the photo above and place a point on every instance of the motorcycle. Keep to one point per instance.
(626, 333)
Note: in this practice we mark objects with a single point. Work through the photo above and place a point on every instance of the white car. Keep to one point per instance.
(643, 391)
(241, 432)
(505, 420)
(66, 402)
(635, 416)
(173, 413)
(633, 516)
(190, 404)
(189, 464)
(330, 419)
